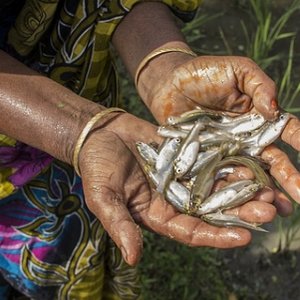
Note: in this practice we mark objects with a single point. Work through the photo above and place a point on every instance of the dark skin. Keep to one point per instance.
(118, 193)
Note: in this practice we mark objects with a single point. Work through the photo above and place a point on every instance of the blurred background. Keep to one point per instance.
(269, 268)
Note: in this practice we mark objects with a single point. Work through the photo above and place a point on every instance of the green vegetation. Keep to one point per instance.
(173, 271)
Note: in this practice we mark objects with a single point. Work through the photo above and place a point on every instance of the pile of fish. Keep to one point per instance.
(201, 147)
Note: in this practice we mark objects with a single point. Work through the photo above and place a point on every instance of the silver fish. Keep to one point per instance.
(151, 175)
(188, 151)
(178, 195)
(171, 132)
(203, 158)
(204, 181)
(230, 196)
(223, 172)
(148, 153)
(238, 125)
(186, 127)
(250, 162)
(167, 154)
(164, 163)
(220, 219)
(206, 138)
(217, 138)
(267, 134)
(193, 115)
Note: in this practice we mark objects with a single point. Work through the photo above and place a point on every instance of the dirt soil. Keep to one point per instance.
(262, 277)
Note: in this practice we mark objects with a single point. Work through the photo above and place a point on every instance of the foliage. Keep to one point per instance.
(288, 90)
(267, 32)
(169, 268)
(192, 30)
(260, 46)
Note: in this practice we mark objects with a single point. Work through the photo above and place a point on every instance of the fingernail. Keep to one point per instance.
(274, 104)
(124, 253)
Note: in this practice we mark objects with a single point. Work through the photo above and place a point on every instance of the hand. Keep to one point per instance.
(233, 84)
(225, 83)
(281, 167)
(118, 193)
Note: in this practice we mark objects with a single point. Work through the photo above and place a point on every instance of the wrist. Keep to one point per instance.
(157, 67)
(154, 26)
(123, 126)
(73, 123)
(87, 129)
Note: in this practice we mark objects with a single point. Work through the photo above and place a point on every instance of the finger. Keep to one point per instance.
(283, 171)
(266, 194)
(282, 203)
(163, 219)
(110, 209)
(238, 103)
(279, 199)
(271, 195)
(291, 133)
(254, 212)
(240, 173)
(260, 87)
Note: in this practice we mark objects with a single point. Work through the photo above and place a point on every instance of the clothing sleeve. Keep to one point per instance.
(183, 9)
(114, 11)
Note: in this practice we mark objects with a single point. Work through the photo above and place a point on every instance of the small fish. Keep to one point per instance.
(193, 115)
(203, 158)
(178, 195)
(148, 153)
(151, 175)
(188, 151)
(238, 125)
(264, 136)
(171, 132)
(217, 138)
(223, 172)
(244, 195)
(164, 163)
(231, 195)
(186, 127)
(167, 154)
(250, 162)
(220, 219)
(204, 181)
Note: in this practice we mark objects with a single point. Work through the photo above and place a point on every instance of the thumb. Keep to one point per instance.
(261, 88)
(110, 208)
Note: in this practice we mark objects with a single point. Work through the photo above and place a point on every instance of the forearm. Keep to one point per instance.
(148, 26)
(40, 112)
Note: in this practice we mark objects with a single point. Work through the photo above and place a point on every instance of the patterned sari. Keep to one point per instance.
(51, 245)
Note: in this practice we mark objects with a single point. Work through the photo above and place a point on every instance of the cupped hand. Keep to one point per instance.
(118, 193)
(227, 84)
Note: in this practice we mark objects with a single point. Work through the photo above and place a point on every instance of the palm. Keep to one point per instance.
(117, 192)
